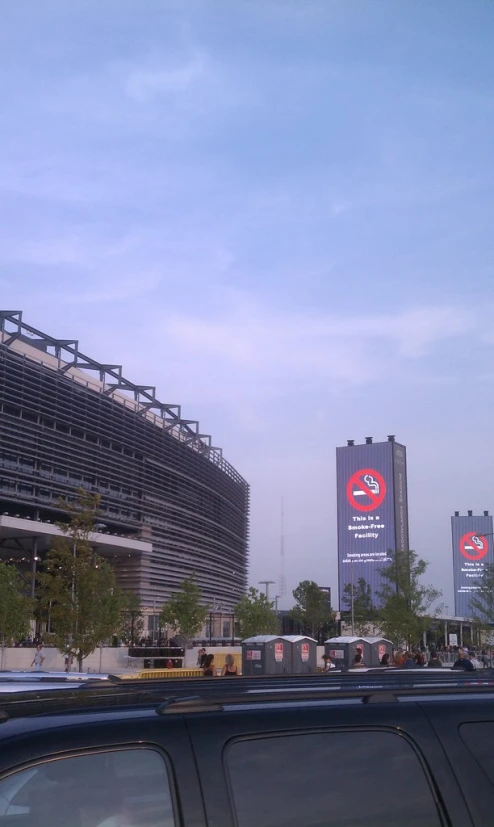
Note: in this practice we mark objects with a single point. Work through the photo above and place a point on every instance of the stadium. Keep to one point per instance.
(171, 505)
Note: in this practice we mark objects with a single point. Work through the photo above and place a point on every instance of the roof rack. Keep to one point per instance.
(172, 696)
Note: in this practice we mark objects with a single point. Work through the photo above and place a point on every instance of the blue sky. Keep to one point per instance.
(280, 213)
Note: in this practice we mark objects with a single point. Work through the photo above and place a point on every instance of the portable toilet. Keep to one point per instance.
(379, 647)
(304, 654)
(342, 650)
(266, 655)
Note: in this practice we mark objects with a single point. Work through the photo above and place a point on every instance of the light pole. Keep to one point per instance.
(154, 621)
(353, 611)
(266, 584)
(276, 613)
(72, 601)
(352, 597)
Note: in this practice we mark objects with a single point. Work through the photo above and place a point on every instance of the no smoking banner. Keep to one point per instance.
(366, 489)
(473, 546)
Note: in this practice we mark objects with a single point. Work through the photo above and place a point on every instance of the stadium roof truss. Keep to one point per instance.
(68, 355)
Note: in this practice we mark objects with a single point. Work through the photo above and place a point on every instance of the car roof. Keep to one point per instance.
(19, 681)
(24, 674)
(169, 696)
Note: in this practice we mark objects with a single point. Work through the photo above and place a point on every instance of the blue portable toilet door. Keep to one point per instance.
(253, 661)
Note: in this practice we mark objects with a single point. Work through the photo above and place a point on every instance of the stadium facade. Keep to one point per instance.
(171, 505)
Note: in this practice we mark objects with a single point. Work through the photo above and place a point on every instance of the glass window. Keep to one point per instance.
(8, 460)
(106, 789)
(477, 738)
(29, 416)
(333, 779)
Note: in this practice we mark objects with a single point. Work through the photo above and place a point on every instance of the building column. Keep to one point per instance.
(33, 565)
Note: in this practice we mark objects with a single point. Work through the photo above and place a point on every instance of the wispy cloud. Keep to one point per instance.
(129, 288)
(250, 340)
(280, 215)
(144, 84)
(76, 248)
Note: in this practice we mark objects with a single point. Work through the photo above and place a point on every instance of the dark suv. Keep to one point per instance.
(374, 750)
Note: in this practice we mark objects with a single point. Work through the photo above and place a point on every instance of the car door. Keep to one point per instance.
(136, 771)
(325, 766)
(466, 729)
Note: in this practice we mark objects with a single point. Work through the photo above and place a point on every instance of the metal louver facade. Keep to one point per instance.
(68, 422)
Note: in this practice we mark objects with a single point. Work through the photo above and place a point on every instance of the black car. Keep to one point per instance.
(394, 749)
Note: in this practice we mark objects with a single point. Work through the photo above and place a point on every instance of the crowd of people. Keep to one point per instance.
(418, 658)
(461, 658)
(28, 643)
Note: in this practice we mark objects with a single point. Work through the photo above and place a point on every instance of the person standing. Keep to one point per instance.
(38, 659)
(230, 669)
(208, 667)
(409, 661)
(463, 661)
(434, 662)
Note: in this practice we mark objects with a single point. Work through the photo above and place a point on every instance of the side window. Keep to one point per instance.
(362, 779)
(127, 787)
(477, 738)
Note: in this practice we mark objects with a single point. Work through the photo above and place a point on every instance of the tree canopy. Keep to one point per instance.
(255, 615)
(406, 603)
(132, 618)
(311, 611)
(364, 613)
(482, 601)
(15, 607)
(76, 587)
(184, 612)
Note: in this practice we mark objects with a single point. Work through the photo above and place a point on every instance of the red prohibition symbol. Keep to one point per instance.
(366, 489)
(474, 546)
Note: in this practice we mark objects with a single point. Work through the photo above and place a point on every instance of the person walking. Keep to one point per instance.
(38, 659)
(230, 668)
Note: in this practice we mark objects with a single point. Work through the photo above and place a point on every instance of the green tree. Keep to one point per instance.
(482, 601)
(311, 610)
(406, 604)
(76, 586)
(255, 616)
(132, 618)
(184, 612)
(15, 608)
(364, 613)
